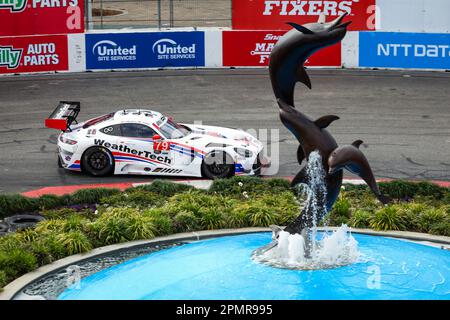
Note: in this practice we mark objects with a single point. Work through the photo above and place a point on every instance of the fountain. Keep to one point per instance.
(304, 251)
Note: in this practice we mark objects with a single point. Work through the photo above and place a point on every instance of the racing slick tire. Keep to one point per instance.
(97, 161)
(59, 163)
(217, 164)
(23, 221)
(3, 229)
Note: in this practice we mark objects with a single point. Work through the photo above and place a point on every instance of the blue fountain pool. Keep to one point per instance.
(222, 268)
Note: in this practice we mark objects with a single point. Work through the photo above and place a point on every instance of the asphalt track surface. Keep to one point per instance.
(402, 117)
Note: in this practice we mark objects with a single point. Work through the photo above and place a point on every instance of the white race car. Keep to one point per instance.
(138, 141)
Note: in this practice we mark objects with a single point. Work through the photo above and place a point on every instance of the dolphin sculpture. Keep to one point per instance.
(352, 159)
(286, 68)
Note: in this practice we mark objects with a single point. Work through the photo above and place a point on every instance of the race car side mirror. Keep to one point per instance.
(156, 137)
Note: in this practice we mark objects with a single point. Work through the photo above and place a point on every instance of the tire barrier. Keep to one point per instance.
(3, 229)
(22, 221)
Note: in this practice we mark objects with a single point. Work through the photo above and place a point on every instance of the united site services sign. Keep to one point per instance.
(33, 54)
(34, 17)
(404, 50)
(274, 14)
(145, 50)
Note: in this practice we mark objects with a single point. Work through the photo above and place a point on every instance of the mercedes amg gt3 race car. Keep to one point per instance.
(138, 141)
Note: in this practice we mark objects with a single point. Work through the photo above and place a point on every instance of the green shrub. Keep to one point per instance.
(3, 279)
(238, 185)
(49, 244)
(387, 218)
(236, 219)
(112, 226)
(137, 199)
(284, 206)
(193, 202)
(400, 189)
(17, 262)
(11, 242)
(48, 201)
(59, 213)
(11, 204)
(140, 227)
(360, 219)
(91, 196)
(440, 228)
(431, 217)
(50, 225)
(340, 214)
(186, 221)
(410, 213)
(162, 188)
(27, 235)
(257, 213)
(211, 218)
(74, 242)
(161, 221)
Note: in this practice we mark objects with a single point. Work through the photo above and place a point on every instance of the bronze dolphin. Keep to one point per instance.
(286, 68)
(294, 48)
(352, 159)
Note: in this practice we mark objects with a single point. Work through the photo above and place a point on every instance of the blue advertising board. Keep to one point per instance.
(145, 50)
(404, 50)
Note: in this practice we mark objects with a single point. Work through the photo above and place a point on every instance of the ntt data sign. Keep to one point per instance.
(404, 50)
(145, 50)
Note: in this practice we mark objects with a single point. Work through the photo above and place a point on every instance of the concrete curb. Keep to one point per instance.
(12, 289)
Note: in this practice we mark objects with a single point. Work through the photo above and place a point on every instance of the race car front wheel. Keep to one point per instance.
(217, 164)
(97, 161)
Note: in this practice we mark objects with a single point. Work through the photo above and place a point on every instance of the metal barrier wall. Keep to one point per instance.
(117, 14)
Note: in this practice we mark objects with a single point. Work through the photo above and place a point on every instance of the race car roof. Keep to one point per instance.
(139, 115)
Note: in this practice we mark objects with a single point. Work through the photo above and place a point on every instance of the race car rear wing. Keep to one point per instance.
(63, 116)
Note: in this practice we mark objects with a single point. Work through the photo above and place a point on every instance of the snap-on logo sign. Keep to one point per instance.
(10, 57)
(310, 8)
(168, 49)
(263, 49)
(20, 5)
(107, 50)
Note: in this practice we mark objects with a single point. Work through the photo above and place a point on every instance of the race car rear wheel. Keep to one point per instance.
(217, 164)
(97, 161)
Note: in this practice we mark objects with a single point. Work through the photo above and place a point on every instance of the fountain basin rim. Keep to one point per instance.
(11, 291)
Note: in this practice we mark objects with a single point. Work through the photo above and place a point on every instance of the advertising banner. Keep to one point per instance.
(404, 50)
(32, 17)
(145, 50)
(33, 54)
(252, 49)
(274, 14)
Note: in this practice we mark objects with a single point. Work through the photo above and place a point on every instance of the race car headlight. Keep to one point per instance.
(244, 152)
(67, 141)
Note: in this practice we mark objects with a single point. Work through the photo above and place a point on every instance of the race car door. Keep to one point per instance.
(138, 146)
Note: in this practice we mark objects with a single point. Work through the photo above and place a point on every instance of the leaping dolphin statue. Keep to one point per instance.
(286, 68)
(351, 158)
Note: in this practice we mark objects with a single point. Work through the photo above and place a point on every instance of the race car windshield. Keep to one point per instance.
(173, 130)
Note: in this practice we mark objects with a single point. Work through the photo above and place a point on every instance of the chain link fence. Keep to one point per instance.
(114, 14)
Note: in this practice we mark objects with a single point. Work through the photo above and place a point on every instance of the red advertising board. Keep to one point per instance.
(274, 14)
(252, 49)
(30, 17)
(33, 54)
